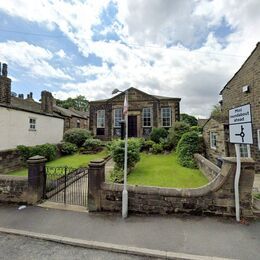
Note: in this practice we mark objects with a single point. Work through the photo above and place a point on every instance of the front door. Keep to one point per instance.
(132, 126)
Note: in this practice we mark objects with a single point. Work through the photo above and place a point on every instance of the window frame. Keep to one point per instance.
(103, 118)
(116, 120)
(244, 154)
(162, 116)
(212, 145)
(32, 124)
(78, 123)
(151, 117)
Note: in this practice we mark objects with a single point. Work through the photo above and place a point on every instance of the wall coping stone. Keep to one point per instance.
(13, 177)
(36, 159)
(244, 160)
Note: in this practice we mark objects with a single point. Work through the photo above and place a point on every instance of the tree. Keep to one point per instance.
(78, 103)
(188, 119)
(216, 111)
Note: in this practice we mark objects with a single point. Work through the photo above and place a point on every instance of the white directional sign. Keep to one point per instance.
(240, 126)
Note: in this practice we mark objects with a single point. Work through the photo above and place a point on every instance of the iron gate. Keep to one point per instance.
(67, 185)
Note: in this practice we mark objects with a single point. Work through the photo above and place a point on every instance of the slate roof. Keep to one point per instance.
(30, 105)
(155, 96)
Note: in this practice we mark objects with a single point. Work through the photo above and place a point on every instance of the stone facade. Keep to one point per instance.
(233, 96)
(13, 189)
(10, 160)
(137, 101)
(217, 197)
(221, 131)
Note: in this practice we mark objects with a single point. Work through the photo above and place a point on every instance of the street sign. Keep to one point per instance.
(240, 125)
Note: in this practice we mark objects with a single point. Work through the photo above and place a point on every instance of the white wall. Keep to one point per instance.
(14, 129)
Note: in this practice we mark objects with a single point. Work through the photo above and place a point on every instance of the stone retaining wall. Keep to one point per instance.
(209, 169)
(10, 160)
(217, 197)
(13, 189)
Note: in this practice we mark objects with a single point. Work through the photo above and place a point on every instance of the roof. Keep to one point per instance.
(154, 96)
(69, 112)
(30, 105)
(202, 122)
(257, 46)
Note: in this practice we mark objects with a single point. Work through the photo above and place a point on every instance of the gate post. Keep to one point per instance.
(36, 178)
(96, 176)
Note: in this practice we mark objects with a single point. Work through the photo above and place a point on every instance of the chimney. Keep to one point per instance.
(47, 102)
(20, 96)
(5, 86)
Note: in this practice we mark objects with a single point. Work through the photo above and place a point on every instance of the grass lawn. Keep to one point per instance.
(74, 161)
(164, 171)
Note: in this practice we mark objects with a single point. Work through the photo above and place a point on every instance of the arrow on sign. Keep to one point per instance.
(242, 134)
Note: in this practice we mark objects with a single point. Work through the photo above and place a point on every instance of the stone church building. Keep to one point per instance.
(145, 112)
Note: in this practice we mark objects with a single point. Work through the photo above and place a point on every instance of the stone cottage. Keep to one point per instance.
(144, 113)
(243, 88)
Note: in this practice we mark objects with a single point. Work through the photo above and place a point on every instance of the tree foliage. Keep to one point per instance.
(189, 119)
(216, 111)
(79, 103)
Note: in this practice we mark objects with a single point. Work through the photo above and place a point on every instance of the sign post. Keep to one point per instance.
(240, 132)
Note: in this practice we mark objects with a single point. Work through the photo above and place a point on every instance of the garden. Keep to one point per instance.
(77, 150)
(164, 160)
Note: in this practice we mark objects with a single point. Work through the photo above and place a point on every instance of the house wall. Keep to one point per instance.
(233, 96)
(220, 151)
(136, 101)
(71, 122)
(14, 129)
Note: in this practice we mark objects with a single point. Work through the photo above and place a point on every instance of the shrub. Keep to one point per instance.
(189, 144)
(147, 145)
(67, 148)
(157, 148)
(92, 144)
(176, 132)
(196, 129)
(117, 175)
(49, 151)
(158, 133)
(76, 136)
(117, 149)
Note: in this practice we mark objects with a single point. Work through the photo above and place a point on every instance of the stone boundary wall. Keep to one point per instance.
(13, 189)
(217, 197)
(25, 189)
(209, 169)
(10, 160)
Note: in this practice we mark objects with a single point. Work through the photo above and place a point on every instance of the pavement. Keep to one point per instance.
(193, 235)
(26, 248)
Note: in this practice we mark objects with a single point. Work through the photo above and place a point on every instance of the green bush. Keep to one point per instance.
(176, 132)
(189, 144)
(117, 150)
(197, 129)
(76, 136)
(157, 148)
(157, 134)
(49, 151)
(147, 145)
(67, 148)
(92, 144)
(117, 175)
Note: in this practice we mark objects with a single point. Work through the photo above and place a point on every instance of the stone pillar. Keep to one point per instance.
(96, 176)
(36, 178)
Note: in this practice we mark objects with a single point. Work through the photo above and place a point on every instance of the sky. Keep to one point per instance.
(178, 48)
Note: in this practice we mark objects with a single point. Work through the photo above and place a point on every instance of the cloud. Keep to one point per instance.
(163, 47)
(33, 60)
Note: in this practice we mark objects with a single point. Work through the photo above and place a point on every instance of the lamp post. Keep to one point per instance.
(124, 193)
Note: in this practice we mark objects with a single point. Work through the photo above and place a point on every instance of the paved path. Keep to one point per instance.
(193, 235)
(24, 248)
